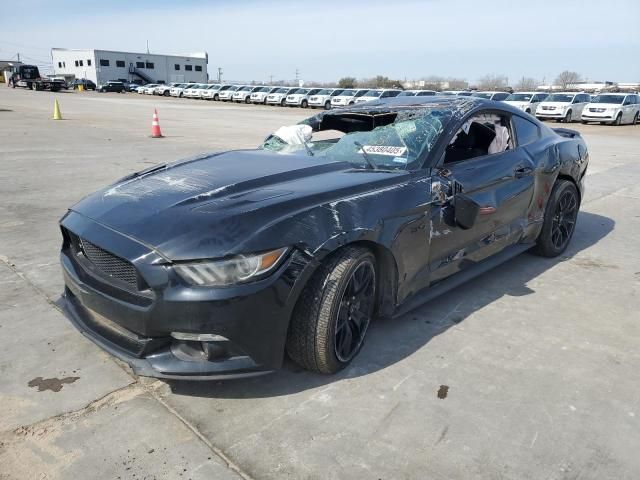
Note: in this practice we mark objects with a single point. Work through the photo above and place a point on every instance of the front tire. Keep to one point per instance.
(327, 105)
(635, 119)
(559, 219)
(304, 104)
(618, 120)
(567, 117)
(331, 318)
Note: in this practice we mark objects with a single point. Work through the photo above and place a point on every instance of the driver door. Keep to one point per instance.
(501, 183)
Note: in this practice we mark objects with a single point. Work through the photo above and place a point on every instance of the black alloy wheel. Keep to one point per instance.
(559, 219)
(333, 313)
(354, 313)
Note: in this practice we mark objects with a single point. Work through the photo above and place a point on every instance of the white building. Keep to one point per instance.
(103, 65)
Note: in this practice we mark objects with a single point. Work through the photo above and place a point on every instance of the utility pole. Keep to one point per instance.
(270, 79)
(219, 74)
(297, 77)
(18, 57)
(147, 46)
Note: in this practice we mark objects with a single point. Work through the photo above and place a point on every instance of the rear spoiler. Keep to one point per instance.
(566, 132)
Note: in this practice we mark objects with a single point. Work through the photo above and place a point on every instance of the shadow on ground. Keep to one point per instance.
(391, 340)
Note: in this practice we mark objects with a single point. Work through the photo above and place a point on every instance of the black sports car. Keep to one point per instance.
(213, 267)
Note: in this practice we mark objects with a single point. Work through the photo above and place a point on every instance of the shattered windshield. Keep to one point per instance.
(398, 140)
(519, 97)
(608, 99)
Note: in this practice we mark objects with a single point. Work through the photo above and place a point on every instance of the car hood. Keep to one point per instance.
(555, 104)
(604, 105)
(218, 204)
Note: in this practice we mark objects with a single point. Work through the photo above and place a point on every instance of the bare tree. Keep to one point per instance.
(347, 82)
(493, 82)
(567, 78)
(527, 83)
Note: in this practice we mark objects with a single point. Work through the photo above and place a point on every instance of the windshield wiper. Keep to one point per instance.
(370, 161)
(306, 145)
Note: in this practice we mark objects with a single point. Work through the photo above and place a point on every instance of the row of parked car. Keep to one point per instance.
(614, 108)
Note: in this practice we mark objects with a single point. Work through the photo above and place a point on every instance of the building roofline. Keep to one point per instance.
(200, 55)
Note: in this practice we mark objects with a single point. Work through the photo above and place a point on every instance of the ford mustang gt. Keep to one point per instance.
(216, 266)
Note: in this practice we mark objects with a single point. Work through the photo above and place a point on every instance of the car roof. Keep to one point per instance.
(464, 104)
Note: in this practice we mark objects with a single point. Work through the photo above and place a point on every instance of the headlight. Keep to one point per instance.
(240, 269)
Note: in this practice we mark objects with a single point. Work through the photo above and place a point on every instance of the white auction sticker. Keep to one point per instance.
(383, 150)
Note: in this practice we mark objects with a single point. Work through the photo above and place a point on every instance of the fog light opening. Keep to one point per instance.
(199, 337)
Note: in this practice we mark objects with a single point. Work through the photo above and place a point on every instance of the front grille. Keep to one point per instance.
(597, 110)
(104, 261)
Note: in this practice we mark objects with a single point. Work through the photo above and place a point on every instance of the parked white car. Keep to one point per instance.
(260, 95)
(301, 97)
(348, 97)
(565, 106)
(526, 101)
(150, 88)
(226, 95)
(417, 93)
(323, 98)
(164, 89)
(378, 93)
(279, 97)
(615, 108)
(457, 93)
(179, 89)
(244, 94)
(209, 92)
(194, 91)
(497, 96)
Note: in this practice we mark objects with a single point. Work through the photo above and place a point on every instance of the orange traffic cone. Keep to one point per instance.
(155, 126)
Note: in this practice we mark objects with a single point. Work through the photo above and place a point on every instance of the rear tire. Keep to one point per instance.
(331, 318)
(559, 219)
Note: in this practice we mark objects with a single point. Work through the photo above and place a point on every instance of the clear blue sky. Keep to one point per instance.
(325, 40)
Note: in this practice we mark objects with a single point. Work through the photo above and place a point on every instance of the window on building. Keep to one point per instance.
(198, 68)
(104, 62)
(139, 64)
(59, 64)
(176, 66)
(88, 62)
(76, 63)
(120, 63)
(150, 65)
(188, 68)
(81, 64)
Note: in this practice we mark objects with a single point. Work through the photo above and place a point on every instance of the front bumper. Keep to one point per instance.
(598, 117)
(135, 326)
(550, 113)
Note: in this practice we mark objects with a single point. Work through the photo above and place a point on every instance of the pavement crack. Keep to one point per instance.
(41, 427)
(231, 465)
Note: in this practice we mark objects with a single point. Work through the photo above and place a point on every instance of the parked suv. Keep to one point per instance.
(244, 94)
(165, 89)
(348, 97)
(614, 108)
(378, 93)
(260, 95)
(497, 96)
(86, 83)
(566, 106)
(323, 98)
(526, 101)
(112, 86)
(279, 97)
(301, 97)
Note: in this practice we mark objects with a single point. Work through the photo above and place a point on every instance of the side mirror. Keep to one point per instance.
(466, 211)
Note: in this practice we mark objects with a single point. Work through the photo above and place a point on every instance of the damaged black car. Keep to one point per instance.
(214, 267)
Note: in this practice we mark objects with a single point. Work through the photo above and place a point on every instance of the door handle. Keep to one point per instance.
(520, 172)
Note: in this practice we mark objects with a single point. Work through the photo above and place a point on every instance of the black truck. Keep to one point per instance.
(28, 76)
